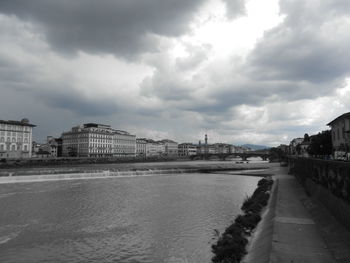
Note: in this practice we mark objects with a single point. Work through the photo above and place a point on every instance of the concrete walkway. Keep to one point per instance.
(296, 237)
(296, 228)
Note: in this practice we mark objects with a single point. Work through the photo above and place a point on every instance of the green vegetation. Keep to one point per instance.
(231, 245)
(277, 155)
(320, 144)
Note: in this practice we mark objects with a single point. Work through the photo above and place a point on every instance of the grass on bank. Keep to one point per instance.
(231, 245)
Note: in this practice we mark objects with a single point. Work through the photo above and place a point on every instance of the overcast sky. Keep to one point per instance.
(242, 71)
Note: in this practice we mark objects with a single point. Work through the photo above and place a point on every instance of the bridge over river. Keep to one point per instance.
(223, 156)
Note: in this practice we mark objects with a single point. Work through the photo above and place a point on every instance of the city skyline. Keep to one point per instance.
(240, 71)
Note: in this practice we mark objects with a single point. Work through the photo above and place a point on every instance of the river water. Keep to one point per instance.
(159, 218)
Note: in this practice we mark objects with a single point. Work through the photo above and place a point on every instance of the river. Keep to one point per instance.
(157, 218)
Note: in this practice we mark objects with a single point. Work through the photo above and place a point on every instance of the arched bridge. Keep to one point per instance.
(222, 156)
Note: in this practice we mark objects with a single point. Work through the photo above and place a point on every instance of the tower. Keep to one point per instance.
(206, 149)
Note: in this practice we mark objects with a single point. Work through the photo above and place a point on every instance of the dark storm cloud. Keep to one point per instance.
(287, 53)
(124, 27)
(25, 80)
(311, 45)
(79, 104)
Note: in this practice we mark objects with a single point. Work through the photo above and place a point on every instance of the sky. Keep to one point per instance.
(241, 71)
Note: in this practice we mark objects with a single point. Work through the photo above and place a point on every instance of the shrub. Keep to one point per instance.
(231, 245)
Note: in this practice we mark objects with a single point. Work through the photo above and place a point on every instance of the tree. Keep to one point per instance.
(298, 148)
(72, 152)
(321, 144)
(276, 154)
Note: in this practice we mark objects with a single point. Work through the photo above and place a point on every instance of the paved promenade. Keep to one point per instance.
(302, 229)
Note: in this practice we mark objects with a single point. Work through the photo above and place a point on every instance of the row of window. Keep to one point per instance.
(99, 136)
(8, 139)
(14, 127)
(14, 134)
(66, 142)
(13, 147)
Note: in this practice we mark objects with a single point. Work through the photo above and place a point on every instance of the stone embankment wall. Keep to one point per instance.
(326, 181)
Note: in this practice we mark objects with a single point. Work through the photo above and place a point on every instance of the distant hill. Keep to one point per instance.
(255, 147)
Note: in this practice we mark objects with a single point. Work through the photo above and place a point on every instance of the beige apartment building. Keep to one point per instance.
(154, 148)
(187, 149)
(16, 139)
(97, 140)
(221, 148)
(141, 146)
(340, 130)
(171, 147)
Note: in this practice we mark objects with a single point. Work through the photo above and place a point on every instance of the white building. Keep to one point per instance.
(340, 131)
(16, 139)
(293, 146)
(141, 146)
(203, 149)
(153, 148)
(187, 149)
(171, 147)
(51, 146)
(220, 148)
(98, 140)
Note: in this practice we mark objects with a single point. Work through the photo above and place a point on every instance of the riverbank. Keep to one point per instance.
(135, 169)
(296, 228)
(231, 245)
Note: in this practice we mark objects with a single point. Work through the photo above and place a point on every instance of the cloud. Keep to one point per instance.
(88, 85)
(197, 69)
(308, 48)
(235, 9)
(122, 27)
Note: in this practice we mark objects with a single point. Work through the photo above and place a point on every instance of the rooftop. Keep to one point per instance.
(345, 115)
(23, 122)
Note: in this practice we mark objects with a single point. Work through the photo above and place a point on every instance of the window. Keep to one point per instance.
(338, 134)
(13, 147)
(2, 147)
(26, 147)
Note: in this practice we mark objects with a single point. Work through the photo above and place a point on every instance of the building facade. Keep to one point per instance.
(340, 131)
(16, 139)
(171, 147)
(187, 149)
(221, 148)
(294, 146)
(206, 149)
(97, 140)
(141, 147)
(51, 146)
(154, 148)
